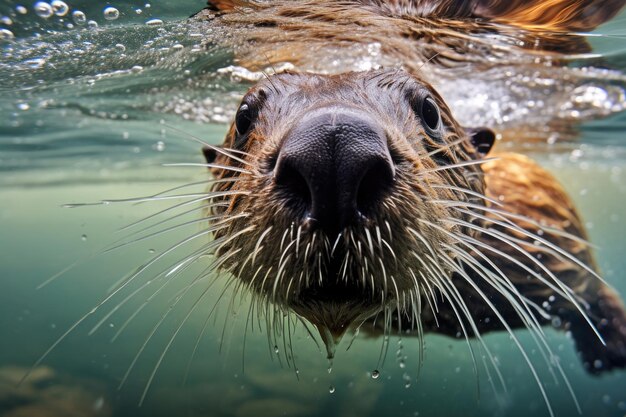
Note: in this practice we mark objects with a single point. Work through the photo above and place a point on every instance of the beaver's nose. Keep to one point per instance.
(334, 167)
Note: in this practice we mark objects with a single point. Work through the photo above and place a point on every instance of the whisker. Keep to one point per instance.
(214, 148)
(503, 238)
(208, 182)
(219, 225)
(521, 349)
(466, 191)
(555, 250)
(208, 165)
(457, 165)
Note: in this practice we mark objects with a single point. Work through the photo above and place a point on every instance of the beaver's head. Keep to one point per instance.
(335, 194)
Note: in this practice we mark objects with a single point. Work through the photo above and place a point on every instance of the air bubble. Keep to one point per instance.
(159, 146)
(331, 389)
(154, 22)
(21, 9)
(138, 11)
(111, 13)
(83, 238)
(375, 374)
(6, 20)
(23, 106)
(92, 24)
(79, 17)
(43, 9)
(120, 47)
(59, 7)
(6, 34)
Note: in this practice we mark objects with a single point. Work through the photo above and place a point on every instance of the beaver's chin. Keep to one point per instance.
(335, 308)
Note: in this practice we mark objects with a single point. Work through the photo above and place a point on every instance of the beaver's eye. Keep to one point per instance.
(244, 118)
(430, 114)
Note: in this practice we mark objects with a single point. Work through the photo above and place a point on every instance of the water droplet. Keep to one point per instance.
(59, 7)
(154, 22)
(79, 17)
(111, 13)
(43, 9)
(375, 374)
(83, 238)
(331, 389)
(21, 9)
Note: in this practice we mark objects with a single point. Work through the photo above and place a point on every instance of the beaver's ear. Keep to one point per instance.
(559, 15)
(210, 154)
(481, 138)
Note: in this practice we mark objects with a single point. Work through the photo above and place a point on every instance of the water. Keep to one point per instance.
(88, 98)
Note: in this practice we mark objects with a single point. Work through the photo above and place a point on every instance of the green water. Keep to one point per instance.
(84, 126)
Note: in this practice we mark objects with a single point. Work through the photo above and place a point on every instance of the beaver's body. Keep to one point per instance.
(358, 195)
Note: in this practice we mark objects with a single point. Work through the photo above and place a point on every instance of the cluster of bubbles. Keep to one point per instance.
(60, 9)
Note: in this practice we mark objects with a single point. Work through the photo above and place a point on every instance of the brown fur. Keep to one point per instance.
(263, 252)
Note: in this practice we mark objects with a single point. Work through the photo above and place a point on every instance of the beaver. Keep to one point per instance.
(356, 200)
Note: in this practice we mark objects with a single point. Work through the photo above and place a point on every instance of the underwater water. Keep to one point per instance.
(93, 106)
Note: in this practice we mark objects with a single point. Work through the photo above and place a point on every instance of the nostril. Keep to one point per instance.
(293, 188)
(374, 187)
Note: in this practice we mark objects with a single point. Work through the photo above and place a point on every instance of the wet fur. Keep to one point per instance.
(440, 274)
